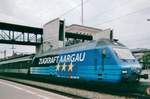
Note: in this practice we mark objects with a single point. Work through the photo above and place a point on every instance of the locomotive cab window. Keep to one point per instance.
(123, 53)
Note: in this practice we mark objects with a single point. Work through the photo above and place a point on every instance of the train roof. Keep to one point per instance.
(18, 59)
(78, 47)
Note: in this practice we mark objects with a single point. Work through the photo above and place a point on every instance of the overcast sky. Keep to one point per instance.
(128, 18)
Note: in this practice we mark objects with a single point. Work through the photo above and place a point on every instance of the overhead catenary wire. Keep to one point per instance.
(117, 18)
(110, 9)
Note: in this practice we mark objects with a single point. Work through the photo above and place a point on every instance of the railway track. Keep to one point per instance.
(84, 89)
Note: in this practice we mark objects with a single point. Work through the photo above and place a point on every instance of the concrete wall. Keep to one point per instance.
(102, 34)
(50, 36)
(95, 32)
(82, 29)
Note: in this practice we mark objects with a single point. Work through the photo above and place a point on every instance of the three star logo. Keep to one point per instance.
(70, 67)
(57, 67)
(63, 67)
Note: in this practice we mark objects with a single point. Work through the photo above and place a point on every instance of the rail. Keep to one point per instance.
(74, 91)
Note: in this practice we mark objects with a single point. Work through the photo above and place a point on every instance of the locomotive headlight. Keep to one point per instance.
(124, 71)
(137, 70)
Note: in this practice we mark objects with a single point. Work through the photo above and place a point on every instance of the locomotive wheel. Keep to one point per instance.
(148, 91)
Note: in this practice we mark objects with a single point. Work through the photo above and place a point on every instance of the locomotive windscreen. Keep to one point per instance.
(123, 53)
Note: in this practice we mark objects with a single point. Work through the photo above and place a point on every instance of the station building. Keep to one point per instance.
(56, 34)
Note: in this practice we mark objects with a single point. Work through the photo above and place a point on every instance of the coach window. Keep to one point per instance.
(21, 65)
(24, 64)
(16, 65)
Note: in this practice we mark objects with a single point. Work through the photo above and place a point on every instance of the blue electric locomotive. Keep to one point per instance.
(101, 60)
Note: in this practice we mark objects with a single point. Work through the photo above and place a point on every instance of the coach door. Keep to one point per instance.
(102, 63)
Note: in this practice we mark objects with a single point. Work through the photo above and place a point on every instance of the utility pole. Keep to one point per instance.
(4, 53)
(82, 16)
(13, 52)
